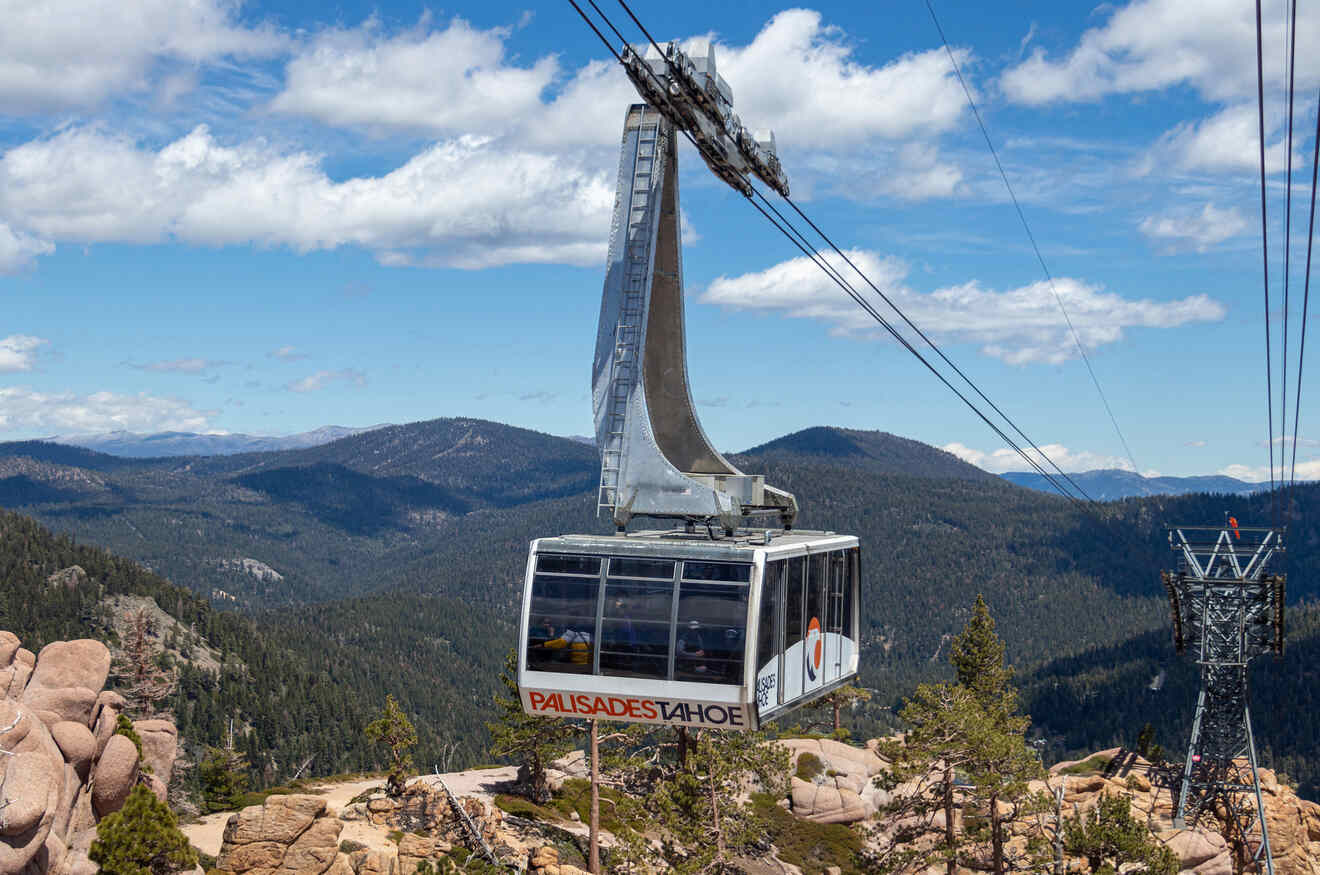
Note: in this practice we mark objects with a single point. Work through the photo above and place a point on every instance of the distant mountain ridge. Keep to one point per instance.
(877, 451)
(132, 445)
(1111, 484)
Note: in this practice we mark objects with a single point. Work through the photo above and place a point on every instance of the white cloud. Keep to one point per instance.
(18, 352)
(797, 76)
(321, 379)
(180, 366)
(1150, 45)
(69, 53)
(1006, 459)
(68, 413)
(459, 202)
(1228, 141)
(1019, 326)
(1306, 470)
(1181, 229)
(450, 81)
(18, 249)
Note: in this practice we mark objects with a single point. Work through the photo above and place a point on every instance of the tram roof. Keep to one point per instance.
(677, 543)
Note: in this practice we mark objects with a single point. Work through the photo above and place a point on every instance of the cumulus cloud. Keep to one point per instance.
(446, 81)
(1006, 459)
(71, 54)
(458, 203)
(1228, 141)
(798, 76)
(179, 366)
(69, 413)
(321, 379)
(1019, 326)
(1150, 45)
(18, 352)
(1181, 229)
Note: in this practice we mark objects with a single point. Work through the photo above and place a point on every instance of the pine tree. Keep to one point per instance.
(532, 742)
(842, 697)
(394, 730)
(1110, 839)
(223, 773)
(977, 655)
(698, 809)
(142, 838)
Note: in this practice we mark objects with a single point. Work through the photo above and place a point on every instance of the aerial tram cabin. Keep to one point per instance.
(712, 623)
(673, 628)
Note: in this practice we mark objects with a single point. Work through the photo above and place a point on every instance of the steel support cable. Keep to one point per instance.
(806, 249)
(800, 242)
(1265, 261)
(1049, 478)
(966, 379)
(1287, 248)
(1022, 216)
(1306, 294)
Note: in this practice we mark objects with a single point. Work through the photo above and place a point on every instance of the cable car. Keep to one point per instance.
(714, 623)
(674, 628)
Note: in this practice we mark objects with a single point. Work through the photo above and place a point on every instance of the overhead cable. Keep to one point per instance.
(1265, 250)
(1287, 245)
(1032, 238)
(1306, 294)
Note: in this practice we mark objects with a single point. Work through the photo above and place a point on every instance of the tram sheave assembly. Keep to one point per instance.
(716, 622)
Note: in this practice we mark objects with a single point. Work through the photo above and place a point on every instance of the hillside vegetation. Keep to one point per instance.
(401, 551)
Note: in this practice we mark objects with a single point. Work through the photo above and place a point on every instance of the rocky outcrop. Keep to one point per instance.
(286, 833)
(66, 769)
(839, 786)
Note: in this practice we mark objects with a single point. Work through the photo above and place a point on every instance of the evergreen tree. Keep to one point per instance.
(1110, 839)
(842, 697)
(224, 778)
(698, 808)
(394, 730)
(977, 655)
(142, 838)
(531, 742)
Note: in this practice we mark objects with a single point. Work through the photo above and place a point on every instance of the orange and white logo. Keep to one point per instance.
(815, 648)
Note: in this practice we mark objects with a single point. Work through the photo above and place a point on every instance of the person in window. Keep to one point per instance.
(576, 643)
(692, 647)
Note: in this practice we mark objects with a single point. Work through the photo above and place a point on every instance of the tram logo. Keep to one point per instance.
(815, 649)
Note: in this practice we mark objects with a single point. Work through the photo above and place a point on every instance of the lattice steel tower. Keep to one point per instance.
(1225, 613)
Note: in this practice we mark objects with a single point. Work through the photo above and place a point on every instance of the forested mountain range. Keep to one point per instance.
(186, 443)
(372, 537)
(1110, 484)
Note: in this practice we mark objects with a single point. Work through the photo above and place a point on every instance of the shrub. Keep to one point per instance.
(142, 838)
(809, 766)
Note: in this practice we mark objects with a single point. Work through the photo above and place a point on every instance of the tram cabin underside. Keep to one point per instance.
(674, 628)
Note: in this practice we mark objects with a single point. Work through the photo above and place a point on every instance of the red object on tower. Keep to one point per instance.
(1233, 524)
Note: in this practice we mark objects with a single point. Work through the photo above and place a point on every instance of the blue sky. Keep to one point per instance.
(264, 218)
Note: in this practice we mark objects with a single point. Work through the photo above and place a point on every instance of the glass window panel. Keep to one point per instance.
(561, 624)
(560, 563)
(658, 568)
(852, 583)
(721, 571)
(793, 625)
(712, 619)
(838, 584)
(634, 634)
(765, 632)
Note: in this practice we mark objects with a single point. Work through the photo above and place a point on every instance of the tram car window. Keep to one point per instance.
(661, 627)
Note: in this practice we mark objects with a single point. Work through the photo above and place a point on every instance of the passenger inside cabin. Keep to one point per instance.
(692, 648)
(575, 643)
